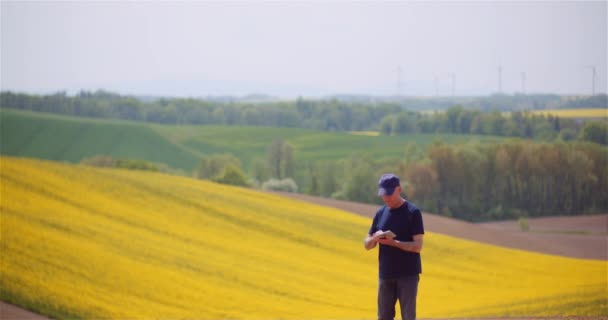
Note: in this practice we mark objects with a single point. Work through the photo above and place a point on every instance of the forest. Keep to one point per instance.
(483, 115)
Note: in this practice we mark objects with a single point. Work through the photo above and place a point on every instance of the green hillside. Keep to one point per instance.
(251, 142)
(70, 139)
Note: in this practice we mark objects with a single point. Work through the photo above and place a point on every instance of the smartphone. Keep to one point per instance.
(387, 234)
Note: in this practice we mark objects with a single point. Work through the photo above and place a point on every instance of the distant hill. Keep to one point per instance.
(81, 242)
(63, 138)
(390, 117)
(66, 138)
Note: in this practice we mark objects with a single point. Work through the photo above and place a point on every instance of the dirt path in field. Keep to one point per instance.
(578, 237)
(11, 312)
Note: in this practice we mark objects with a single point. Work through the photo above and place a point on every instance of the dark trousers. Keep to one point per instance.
(405, 289)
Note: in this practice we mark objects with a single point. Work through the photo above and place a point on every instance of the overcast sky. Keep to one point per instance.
(305, 48)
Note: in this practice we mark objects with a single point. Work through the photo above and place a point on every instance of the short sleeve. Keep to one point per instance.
(417, 225)
(374, 226)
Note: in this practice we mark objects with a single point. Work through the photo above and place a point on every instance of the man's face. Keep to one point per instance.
(394, 199)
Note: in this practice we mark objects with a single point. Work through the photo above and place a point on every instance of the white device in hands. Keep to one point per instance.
(386, 235)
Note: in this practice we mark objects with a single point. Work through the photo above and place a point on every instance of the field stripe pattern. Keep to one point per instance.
(80, 242)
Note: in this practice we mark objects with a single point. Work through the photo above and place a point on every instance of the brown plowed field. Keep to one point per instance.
(578, 237)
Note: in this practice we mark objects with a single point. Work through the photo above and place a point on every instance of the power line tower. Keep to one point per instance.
(523, 82)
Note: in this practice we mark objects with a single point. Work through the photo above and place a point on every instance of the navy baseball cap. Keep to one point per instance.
(387, 184)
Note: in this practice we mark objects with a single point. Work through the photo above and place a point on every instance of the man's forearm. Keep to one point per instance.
(411, 246)
(369, 243)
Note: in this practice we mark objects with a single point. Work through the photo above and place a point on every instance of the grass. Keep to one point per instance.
(82, 242)
(251, 142)
(70, 139)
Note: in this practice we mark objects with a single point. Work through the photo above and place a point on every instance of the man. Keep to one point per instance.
(399, 256)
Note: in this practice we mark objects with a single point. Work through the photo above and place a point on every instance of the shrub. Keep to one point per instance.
(136, 165)
(232, 175)
(567, 134)
(215, 165)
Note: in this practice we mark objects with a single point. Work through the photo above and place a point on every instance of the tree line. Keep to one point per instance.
(521, 124)
(390, 118)
(504, 102)
(473, 182)
(480, 182)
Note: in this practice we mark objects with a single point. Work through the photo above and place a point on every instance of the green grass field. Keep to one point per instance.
(70, 139)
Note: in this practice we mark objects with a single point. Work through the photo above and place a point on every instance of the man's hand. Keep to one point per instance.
(377, 234)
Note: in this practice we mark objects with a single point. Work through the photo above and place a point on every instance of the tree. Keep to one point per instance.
(259, 170)
(328, 175)
(289, 162)
(386, 125)
(452, 117)
(405, 122)
(232, 175)
(127, 108)
(595, 131)
(422, 184)
(214, 165)
(281, 159)
(567, 134)
(134, 164)
(360, 181)
(544, 131)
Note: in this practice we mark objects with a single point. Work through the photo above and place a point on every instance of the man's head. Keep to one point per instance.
(389, 188)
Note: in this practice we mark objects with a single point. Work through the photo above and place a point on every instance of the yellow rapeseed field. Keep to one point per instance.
(574, 113)
(366, 133)
(81, 242)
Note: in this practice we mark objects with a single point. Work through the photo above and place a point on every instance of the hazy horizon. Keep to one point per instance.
(305, 49)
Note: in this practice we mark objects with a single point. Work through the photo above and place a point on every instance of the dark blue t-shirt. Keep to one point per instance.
(405, 222)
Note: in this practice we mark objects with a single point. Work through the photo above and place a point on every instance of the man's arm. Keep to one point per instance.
(411, 246)
(370, 242)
